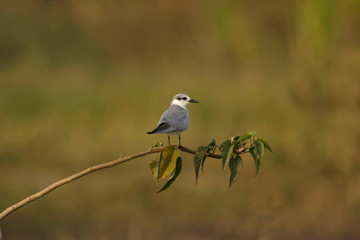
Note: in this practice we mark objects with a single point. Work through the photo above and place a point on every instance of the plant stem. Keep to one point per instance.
(87, 171)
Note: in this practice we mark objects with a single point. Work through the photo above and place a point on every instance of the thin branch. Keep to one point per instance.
(87, 171)
(212, 155)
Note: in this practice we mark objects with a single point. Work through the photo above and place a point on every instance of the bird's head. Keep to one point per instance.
(182, 100)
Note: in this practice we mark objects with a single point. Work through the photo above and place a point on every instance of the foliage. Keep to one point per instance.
(168, 164)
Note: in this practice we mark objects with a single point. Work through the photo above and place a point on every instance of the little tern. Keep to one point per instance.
(175, 119)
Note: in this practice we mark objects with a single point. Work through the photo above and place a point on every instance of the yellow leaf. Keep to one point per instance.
(167, 162)
(154, 169)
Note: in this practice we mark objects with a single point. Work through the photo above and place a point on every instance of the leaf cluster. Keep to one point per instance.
(232, 148)
(168, 164)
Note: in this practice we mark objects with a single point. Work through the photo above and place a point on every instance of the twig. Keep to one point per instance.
(212, 155)
(87, 171)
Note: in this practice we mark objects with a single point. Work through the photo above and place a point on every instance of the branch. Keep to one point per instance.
(87, 171)
(184, 149)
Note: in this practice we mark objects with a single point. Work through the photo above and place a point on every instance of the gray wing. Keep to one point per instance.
(176, 118)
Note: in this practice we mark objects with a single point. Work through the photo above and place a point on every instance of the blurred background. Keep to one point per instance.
(82, 81)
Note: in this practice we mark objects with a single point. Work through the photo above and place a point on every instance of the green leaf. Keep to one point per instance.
(199, 159)
(226, 152)
(203, 152)
(212, 143)
(256, 161)
(175, 175)
(154, 169)
(243, 137)
(202, 164)
(167, 162)
(266, 145)
(235, 165)
(211, 146)
(257, 152)
(227, 160)
(259, 148)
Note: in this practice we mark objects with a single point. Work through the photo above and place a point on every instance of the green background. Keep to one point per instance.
(81, 82)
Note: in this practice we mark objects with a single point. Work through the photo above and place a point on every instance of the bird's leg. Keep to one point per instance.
(169, 139)
(179, 141)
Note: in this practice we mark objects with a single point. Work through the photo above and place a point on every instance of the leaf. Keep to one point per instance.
(226, 152)
(212, 143)
(199, 159)
(202, 163)
(154, 169)
(257, 152)
(203, 151)
(167, 162)
(235, 165)
(266, 145)
(211, 146)
(259, 148)
(175, 175)
(243, 137)
(256, 161)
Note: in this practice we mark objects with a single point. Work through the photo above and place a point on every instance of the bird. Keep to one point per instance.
(175, 119)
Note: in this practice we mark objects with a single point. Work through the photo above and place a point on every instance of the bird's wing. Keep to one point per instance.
(176, 117)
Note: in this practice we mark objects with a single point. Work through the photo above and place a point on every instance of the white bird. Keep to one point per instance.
(175, 119)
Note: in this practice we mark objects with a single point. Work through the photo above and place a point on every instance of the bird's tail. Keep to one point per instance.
(159, 128)
(156, 130)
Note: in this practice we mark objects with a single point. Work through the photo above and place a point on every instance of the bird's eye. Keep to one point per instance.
(184, 98)
(178, 98)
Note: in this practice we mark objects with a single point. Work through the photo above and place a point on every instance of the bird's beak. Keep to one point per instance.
(193, 101)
